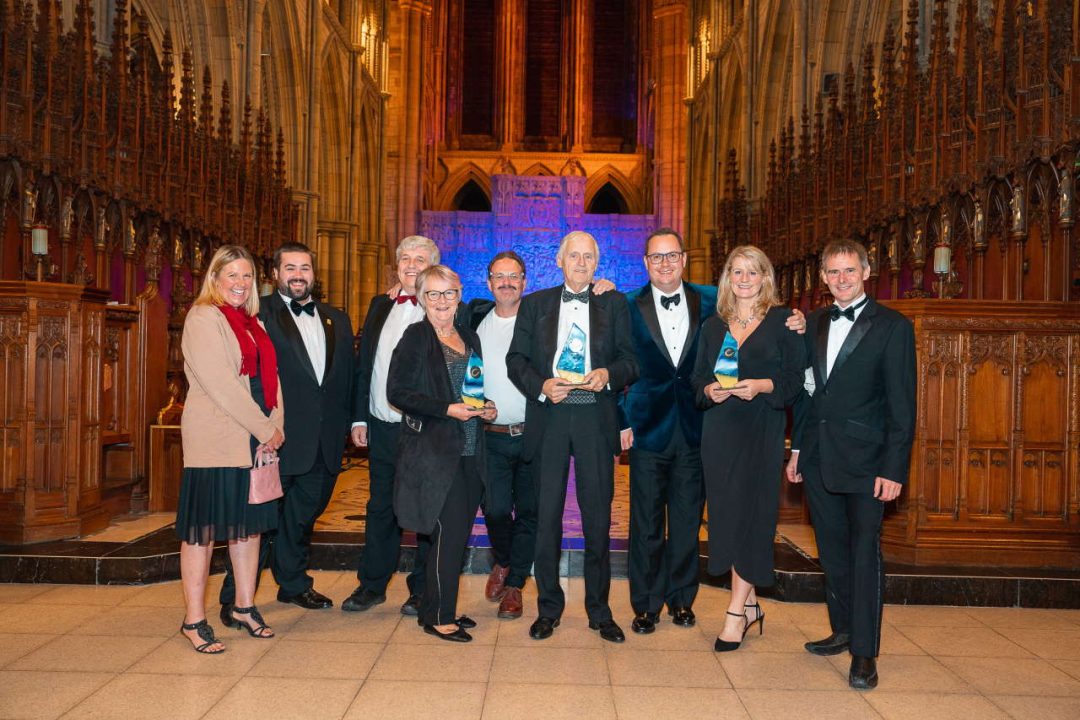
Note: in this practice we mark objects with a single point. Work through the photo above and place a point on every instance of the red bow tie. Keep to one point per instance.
(406, 298)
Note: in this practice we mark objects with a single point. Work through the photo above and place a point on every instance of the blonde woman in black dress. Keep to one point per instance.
(742, 437)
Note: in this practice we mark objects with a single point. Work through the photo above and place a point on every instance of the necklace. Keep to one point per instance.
(445, 333)
(744, 323)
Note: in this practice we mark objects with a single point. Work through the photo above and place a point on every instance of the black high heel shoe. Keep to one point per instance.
(205, 633)
(760, 617)
(255, 625)
(729, 645)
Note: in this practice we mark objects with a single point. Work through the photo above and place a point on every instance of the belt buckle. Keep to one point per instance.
(516, 429)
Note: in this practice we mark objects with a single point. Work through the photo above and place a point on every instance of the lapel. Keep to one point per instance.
(821, 348)
(292, 337)
(647, 308)
(328, 330)
(858, 331)
(693, 307)
(549, 329)
(598, 330)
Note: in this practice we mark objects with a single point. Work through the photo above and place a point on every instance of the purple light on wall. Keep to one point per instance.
(530, 215)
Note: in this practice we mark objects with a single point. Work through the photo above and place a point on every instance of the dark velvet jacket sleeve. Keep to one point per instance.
(704, 363)
(623, 370)
(410, 385)
(788, 382)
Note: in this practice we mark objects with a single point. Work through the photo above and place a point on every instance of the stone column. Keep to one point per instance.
(414, 16)
(670, 124)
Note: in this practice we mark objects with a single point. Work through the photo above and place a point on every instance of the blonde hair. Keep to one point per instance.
(767, 296)
(418, 242)
(210, 295)
(435, 271)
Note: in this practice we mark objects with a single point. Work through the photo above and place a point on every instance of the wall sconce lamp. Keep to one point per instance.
(39, 246)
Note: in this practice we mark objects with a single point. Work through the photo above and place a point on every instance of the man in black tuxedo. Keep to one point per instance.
(663, 433)
(852, 439)
(579, 419)
(377, 426)
(314, 344)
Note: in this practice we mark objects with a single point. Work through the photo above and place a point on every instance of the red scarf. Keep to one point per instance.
(256, 351)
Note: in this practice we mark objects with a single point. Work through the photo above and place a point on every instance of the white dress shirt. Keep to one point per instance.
(401, 316)
(838, 332)
(674, 321)
(495, 335)
(311, 332)
(570, 314)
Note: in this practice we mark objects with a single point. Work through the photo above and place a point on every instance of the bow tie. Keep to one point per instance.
(835, 312)
(297, 308)
(581, 297)
(669, 300)
(405, 298)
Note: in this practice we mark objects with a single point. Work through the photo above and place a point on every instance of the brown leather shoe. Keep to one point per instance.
(510, 607)
(496, 583)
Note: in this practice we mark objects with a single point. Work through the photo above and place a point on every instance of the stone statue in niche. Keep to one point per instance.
(102, 230)
(1065, 200)
(178, 252)
(872, 257)
(67, 214)
(152, 261)
(978, 227)
(29, 205)
(1016, 210)
(918, 247)
(129, 238)
(892, 255)
(197, 257)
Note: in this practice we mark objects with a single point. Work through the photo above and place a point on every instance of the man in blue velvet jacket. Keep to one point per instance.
(663, 432)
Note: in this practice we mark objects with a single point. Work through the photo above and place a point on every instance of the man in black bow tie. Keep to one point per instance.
(851, 442)
(314, 344)
(377, 427)
(577, 418)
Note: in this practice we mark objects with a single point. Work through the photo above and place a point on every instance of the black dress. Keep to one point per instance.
(213, 505)
(742, 444)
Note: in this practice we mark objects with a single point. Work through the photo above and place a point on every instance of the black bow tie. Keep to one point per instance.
(297, 308)
(669, 300)
(835, 312)
(581, 297)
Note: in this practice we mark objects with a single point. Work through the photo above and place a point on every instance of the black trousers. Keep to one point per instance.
(510, 506)
(287, 550)
(438, 604)
(382, 537)
(666, 497)
(574, 430)
(847, 527)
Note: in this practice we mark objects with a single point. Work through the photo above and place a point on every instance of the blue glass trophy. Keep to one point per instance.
(726, 369)
(571, 365)
(472, 387)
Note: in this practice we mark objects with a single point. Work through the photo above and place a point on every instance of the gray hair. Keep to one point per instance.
(417, 242)
(574, 235)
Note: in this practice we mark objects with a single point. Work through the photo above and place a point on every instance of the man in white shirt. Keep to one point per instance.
(377, 427)
(565, 418)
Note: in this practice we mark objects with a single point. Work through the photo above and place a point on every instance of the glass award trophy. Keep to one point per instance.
(726, 369)
(472, 387)
(571, 365)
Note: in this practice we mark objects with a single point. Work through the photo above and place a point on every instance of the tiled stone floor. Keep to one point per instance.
(114, 652)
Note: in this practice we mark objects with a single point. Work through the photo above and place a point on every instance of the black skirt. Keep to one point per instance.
(213, 504)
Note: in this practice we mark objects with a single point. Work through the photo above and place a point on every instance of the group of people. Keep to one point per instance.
(694, 381)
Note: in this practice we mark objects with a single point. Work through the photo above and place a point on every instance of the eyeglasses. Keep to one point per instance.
(657, 258)
(499, 277)
(451, 294)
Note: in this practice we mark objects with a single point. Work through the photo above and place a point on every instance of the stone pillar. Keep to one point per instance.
(415, 14)
(670, 124)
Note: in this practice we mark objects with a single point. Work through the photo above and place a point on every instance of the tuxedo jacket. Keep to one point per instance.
(532, 353)
(860, 424)
(378, 311)
(318, 415)
(429, 442)
(663, 397)
(473, 313)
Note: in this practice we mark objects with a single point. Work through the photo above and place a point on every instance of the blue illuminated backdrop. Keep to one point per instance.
(530, 215)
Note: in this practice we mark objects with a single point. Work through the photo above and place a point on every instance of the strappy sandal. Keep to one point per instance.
(205, 633)
(759, 617)
(256, 626)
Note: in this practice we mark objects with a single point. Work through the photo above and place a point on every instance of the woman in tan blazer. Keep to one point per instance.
(233, 408)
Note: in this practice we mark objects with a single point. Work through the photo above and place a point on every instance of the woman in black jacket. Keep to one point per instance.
(438, 483)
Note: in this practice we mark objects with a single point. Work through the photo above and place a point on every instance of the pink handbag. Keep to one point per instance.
(265, 478)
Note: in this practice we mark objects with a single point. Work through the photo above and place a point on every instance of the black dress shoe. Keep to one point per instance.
(644, 623)
(226, 614)
(608, 631)
(362, 599)
(458, 635)
(683, 616)
(310, 599)
(411, 606)
(542, 628)
(465, 622)
(832, 645)
(863, 673)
